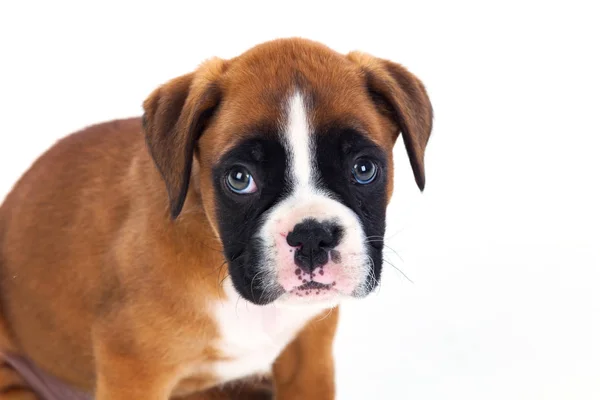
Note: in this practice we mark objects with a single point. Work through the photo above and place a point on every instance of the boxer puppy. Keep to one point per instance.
(203, 249)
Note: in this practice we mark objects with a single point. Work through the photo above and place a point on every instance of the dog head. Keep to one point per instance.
(293, 146)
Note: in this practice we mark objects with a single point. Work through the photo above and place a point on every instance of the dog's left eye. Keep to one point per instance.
(364, 171)
(240, 180)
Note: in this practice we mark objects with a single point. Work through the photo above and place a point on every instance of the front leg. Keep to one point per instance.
(305, 369)
(123, 376)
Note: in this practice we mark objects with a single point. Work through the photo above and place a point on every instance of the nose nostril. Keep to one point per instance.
(293, 239)
(325, 243)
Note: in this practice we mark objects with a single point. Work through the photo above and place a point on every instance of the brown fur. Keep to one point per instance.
(103, 288)
(12, 386)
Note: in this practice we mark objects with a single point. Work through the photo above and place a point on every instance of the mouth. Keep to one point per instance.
(313, 288)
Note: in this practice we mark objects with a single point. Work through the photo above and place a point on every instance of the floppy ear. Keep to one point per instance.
(400, 96)
(175, 115)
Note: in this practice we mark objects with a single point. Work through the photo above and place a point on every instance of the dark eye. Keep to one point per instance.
(364, 171)
(240, 181)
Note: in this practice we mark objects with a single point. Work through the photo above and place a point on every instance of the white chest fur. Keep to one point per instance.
(253, 336)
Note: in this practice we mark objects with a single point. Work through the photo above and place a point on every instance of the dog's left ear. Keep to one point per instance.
(175, 115)
(400, 96)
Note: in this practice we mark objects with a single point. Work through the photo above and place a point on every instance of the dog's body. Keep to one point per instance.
(233, 274)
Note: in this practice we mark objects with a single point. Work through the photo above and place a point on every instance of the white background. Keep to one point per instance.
(503, 246)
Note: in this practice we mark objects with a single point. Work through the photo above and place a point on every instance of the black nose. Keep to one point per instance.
(314, 240)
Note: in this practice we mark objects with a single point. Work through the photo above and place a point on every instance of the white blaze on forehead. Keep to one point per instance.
(298, 142)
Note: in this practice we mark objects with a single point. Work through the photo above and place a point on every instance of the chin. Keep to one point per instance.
(321, 298)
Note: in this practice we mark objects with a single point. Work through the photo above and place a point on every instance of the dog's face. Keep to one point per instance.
(294, 147)
(300, 206)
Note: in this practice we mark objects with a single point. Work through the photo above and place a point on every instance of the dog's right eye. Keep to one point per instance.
(240, 181)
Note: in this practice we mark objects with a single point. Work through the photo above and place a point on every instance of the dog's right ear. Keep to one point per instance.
(175, 115)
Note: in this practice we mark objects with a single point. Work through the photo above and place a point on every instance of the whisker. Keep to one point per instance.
(216, 269)
(393, 235)
(327, 315)
(394, 251)
(252, 283)
(260, 275)
(236, 306)
(226, 275)
(389, 248)
(398, 269)
(375, 236)
(373, 280)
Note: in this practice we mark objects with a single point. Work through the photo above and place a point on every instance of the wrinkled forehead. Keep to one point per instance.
(264, 99)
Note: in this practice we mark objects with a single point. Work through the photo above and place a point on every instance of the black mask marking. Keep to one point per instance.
(337, 151)
(240, 215)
